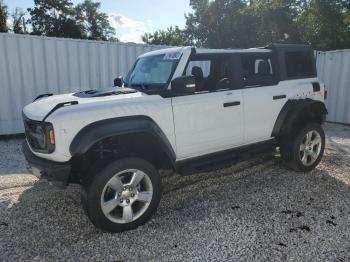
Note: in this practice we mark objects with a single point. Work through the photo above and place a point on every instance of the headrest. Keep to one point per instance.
(264, 68)
(197, 72)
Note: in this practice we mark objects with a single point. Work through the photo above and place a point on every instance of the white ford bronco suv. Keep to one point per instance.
(185, 109)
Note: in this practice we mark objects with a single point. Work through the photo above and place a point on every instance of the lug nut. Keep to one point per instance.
(121, 200)
(119, 194)
(132, 195)
(127, 201)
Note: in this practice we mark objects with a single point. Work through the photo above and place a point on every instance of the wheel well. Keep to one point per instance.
(302, 114)
(105, 151)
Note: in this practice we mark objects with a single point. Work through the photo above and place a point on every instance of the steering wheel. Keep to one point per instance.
(223, 83)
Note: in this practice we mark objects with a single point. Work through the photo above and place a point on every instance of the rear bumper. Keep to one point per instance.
(55, 172)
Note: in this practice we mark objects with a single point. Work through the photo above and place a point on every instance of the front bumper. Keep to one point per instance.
(55, 172)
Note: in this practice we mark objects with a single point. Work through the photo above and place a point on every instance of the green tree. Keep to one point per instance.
(217, 24)
(325, 24)
(55, 18)
(238, 23)
(272, 21)
(18, 23)
(172, 36)
(3, 17)
(96, 24)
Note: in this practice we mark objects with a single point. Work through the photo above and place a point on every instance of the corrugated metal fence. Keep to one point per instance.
(31, 65)
(333, 69)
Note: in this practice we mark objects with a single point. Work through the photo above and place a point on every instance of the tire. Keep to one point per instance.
(122, 196)
(292, 148)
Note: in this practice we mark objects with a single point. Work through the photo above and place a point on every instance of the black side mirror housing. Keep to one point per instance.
(184, 85)
(118, 82)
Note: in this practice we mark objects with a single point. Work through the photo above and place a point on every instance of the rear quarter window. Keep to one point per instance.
(299, 64)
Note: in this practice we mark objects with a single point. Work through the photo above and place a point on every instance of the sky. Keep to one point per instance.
(132, 18)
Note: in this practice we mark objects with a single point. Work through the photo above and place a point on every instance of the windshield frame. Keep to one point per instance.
(162, 86)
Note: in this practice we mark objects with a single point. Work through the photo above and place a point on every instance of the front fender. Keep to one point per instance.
(97, 131)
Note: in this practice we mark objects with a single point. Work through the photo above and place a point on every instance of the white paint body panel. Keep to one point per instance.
(195, 125)
(68, 121)
(203, 125)
(261, 111)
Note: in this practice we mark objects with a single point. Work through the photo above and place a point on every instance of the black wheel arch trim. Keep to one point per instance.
(291, 110)
(97, 131)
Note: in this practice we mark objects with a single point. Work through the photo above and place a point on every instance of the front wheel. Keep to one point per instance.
(123, 196)
(303, 150)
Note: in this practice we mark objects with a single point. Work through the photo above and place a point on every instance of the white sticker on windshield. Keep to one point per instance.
(172, 56)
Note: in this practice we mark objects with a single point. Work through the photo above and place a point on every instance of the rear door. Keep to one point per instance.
(289, 73)
(263, 97)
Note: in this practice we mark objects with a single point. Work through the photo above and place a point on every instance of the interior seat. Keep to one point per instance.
(263, 76)
(197, 72)
(264, 68)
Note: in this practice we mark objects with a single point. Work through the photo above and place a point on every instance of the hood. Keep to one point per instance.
(42, 107)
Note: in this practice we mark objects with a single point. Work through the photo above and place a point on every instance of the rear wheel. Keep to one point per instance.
(303, 150)
(123, 196)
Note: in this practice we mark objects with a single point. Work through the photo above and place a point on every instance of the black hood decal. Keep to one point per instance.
(104, 92)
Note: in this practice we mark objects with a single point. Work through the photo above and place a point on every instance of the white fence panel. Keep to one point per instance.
(334, 70)
(31, 65)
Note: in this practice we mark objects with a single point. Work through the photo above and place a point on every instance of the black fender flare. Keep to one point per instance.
(97, 131)
(293, 109)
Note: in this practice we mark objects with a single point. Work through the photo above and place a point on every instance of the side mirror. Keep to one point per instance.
(118, 81)
(184, 85)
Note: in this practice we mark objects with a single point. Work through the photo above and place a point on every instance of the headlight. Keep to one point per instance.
(40, 136)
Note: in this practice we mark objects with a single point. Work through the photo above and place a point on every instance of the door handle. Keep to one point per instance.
(279, 97)
(236, 103)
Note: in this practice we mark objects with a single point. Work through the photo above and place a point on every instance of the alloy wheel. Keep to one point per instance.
(310, 148)
(126, 196)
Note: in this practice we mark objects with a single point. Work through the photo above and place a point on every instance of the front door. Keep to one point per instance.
(211, 120)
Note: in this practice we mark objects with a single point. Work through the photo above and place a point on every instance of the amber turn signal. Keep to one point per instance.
(52, 137)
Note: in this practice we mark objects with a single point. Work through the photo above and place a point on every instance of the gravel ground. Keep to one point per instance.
(256, 211)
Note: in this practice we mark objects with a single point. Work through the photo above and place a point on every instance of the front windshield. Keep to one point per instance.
(152, 72)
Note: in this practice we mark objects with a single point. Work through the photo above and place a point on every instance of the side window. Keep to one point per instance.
(212, 73)
(257, 70)
(299, 64)
(203, 65)
(257, 63)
